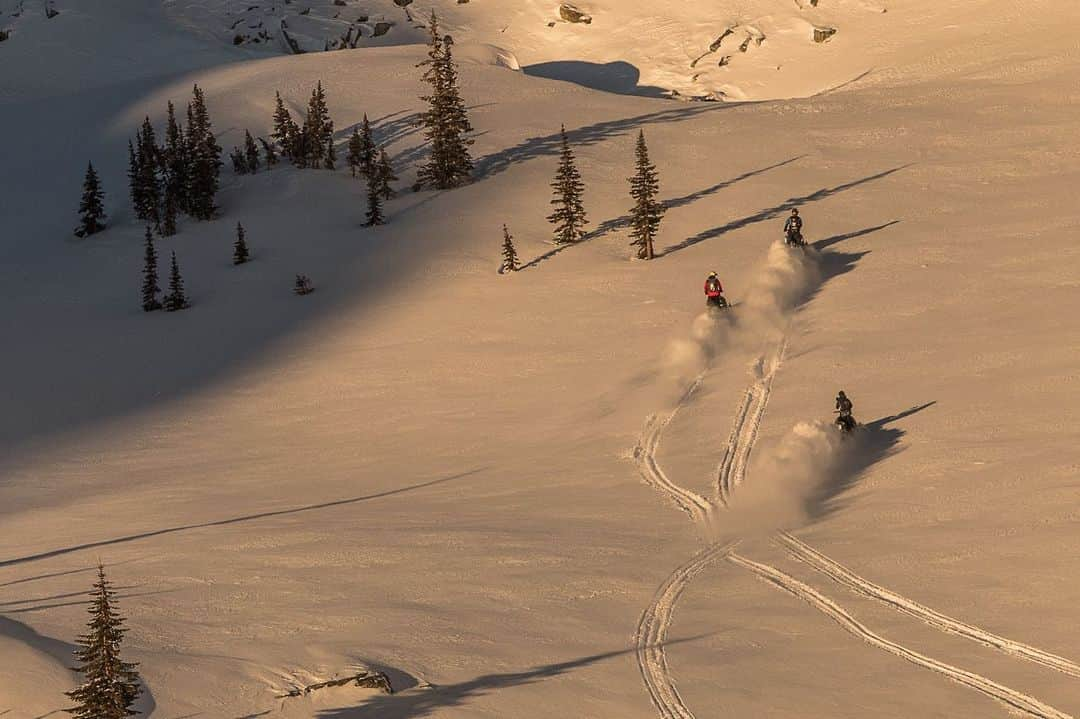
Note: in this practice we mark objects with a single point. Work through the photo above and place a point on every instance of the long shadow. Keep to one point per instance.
(232, 520)
(82, 602)
(619, 77)
(836, 239)
(549, 145)
(770, 213)
(872, 443)
(620, 222)
(425, 702)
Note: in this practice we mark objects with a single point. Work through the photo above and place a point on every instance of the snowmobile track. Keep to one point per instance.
(652, 633)
(691, 502)
(1027, 704)
(844, 576)
(744, 430)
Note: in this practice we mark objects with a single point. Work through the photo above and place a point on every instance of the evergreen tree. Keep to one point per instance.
(240, 248)
(384, 175)
(110, 685)
(286, 133)
(330, 159)
(318, 130)
(510, 258)
(251, 153)
(375, 214)
(91, 208)
(150, 287)
(446, 121)
(367, 148)
(269, 155)
(239, 161)
(569, 216)
(353, 159)
(648, 211)
(176, 299)
(205, 159)
(174, 161)
(147, 183)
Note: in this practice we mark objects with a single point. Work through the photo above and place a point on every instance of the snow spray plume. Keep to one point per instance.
(792, 483)
(786, 280)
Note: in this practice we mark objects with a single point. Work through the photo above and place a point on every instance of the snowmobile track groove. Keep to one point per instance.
(652, 633)
(691, 502)
(1023, 702)
(844, 576)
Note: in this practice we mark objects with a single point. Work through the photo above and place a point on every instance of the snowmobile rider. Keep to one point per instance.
(793, 228)
(714, 291)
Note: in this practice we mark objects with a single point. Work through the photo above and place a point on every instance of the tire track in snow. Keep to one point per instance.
(744, 430)
(844, 576)
(1018, 700)
(693, 503)
(652, 633)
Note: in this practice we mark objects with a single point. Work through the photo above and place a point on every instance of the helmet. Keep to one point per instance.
(842, 394)
(794, 210)
(712, 274)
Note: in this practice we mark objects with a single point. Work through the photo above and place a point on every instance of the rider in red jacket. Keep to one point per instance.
(714, 296)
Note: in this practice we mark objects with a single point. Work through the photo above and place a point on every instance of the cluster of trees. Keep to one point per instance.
(175, 299)
(181, 174)
(570, 219)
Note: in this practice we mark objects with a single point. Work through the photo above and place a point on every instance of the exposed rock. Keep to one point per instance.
(50, 11)
(716, 43)
(745, 44)
(725, 60)
(462, 2)
(366, 679)
(402, 3)
(4, 35)
(822, 34)
(569, 13)
(339, 3)
(381, 28)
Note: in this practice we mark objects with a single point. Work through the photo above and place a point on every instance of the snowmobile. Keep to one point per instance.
(845, 422)
(794, 238)
(717, 303)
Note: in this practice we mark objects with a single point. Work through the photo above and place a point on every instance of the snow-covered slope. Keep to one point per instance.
(428, 468)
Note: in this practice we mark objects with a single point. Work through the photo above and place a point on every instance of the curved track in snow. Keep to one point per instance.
(1023, 702)
(652, 633)
(844, 576)
(691, 502)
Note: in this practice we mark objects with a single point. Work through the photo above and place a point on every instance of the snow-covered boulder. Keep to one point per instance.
(571, 13)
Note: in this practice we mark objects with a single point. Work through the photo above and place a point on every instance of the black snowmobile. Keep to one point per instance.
(845, 422)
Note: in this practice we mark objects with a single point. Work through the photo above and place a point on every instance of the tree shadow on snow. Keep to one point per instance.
(872, 442)
(426, 701)
(549, 145)
(771, 213)
(619, 77)
(232, 520)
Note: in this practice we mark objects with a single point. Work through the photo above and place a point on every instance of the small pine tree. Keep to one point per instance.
(384, 175)
(269, 154)
(147, 183)
(174, 160)
(510, 258)
(176, 299)
(302, 286)
(648, 211)
(91, 207)
(110, 685)
(133, 177)
(569, 216)
(205, 159)
(446, 121)
(353, 159)
(330, 159)
(150, 287)
(251, 153)
(239, 161)
(318, 130)
(286, 133)
(367, 148)
(240, 248)
(375, 214)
